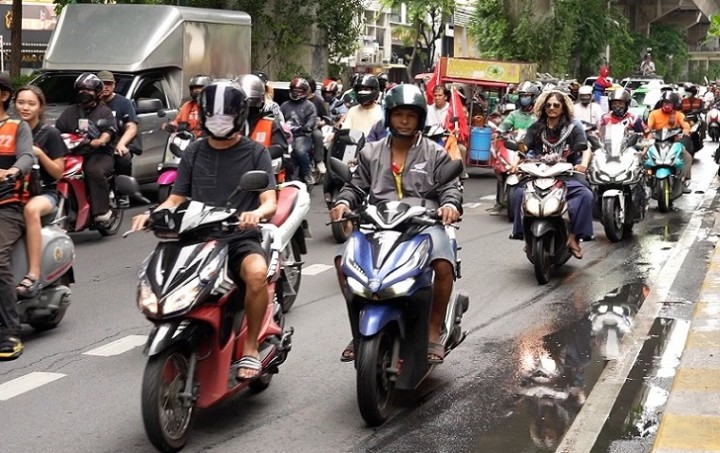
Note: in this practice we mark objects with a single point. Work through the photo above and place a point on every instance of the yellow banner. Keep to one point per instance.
(493, 71)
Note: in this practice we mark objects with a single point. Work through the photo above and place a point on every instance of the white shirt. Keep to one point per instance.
(436, 116)
(591, 113)
(362, 119)
(709, 98)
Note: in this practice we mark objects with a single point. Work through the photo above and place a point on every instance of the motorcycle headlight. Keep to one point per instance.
(532, 206)
(358, 288)
(182, 297)
(552, 205)
(146, 299)
(399, 288)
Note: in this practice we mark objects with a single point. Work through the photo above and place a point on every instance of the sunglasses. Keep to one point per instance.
(553, 105)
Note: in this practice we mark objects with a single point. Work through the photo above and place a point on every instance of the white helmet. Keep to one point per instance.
(585, 89)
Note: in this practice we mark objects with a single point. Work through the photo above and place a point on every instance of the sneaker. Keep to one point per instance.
(321, 167)
(309, 180)
(123, 201)
(11, 348)
(516, 237)
(104, 218)
(496, 208)
(498, 212)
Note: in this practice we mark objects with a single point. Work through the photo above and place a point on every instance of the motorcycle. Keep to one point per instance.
(178, 140)
(185, 290)
(544, 206)
(73, 211)
(712, 119)
(45, 310)
(346, 144)
(505, 149)
(389, 296)
(611, 320)
(664, 163)
(618, 182)
(292, 207)
(695, 121)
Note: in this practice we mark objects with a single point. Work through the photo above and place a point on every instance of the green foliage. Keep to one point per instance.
(22, 80)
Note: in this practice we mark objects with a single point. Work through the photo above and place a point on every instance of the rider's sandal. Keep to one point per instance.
(28, 287)
(249, 362)
(348, 354)
(576, 251)
(436, 353)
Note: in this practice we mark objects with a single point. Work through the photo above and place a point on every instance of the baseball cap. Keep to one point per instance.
(5, 84)
(106, 76)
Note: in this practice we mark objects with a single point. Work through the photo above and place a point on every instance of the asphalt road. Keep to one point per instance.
(84, 396)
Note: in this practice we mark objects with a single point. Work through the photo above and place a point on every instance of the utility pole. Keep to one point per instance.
(16, 38)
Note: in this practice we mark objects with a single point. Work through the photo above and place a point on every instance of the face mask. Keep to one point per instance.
(84, 98)
(667, 108)
(584, 101)
(618, 112)
(220, 126)
(525, 102)
(194, 96)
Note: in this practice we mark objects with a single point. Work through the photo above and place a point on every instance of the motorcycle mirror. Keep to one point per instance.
(340, 169)
(161, 113)
(127, 185)
(254, 181)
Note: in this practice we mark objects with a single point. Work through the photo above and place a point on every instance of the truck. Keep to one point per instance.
(153, 51)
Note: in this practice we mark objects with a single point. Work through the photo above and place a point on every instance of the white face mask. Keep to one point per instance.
(220, 126)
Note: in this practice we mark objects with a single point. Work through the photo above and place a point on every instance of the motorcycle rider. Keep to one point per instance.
(190, 111)
(586, 110)
(301, 115)
(49, 149)
(262, 126)
(691, 104)
(399, 167)
(556, 132)
(619, 113)
(336, 108)
(220, 160)
(383, 80)
(318, 146)
(667, 116)
(99, 163)
(437, 111)
(270, 106)
(363, 116)
(16, 160)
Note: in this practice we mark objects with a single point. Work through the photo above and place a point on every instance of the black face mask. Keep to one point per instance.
(85, 99)
(194, 96)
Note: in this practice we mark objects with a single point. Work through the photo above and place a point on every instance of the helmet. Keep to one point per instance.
(406, 95)
(669, 96)
(262, 76)
(199, 81)
(254, 90)
(383, 80)
(219, 102)
(585, 89)
(691, 89)
(527, 89)
(299, 89)
(88, 81)
(619, 95)
(367, 88)
(585, 94)
(329, 89)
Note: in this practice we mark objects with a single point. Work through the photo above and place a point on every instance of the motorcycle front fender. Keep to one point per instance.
(166, 334)
(540, 227)
(373, 318)
(662, 173)
(167, 178)
(610, 193)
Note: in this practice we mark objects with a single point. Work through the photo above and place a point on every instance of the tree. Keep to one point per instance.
(16, 39)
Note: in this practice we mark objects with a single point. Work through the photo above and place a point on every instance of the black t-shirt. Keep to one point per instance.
(319, 106)
(574, 144)
(121, 107)
(210, 175)
(68, 121)
(48, 139)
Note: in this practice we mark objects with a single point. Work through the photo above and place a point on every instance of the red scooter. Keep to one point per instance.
(505, 148)
(194, 350)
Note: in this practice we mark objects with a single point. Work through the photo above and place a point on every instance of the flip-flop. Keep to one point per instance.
(436, 353)
(348, 354)
(28, 287)
(249, 362)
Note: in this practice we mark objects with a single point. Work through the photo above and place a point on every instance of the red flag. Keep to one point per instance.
(456, 111)
(432, 83)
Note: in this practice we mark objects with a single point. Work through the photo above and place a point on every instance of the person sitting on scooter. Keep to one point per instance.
(317, 136)
(99, 163)
(262, 126)
(381, 173)
(556, 132)
(363, 116)
(667, 117)
(190, 111)
(619, 105)
(16, 161)
(336, 108)
(585, 110)
(693, 105)
(209, 173)
(301, 116)
(49, 149)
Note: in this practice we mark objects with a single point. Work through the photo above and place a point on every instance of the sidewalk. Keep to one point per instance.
(691, 421)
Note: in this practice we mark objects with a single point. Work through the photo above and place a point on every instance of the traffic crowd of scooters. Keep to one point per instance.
(194, 348)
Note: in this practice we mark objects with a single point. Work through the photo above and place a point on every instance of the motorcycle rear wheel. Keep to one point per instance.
(510, 195)
(117, 218)
(541, 259)
(611, 213)
(291, 273)
(374, 387)
(166, 416)
(663, 195)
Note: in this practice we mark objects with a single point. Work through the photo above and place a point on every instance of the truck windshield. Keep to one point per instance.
(58, 87)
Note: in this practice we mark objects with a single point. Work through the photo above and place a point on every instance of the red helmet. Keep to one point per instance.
(299, 89)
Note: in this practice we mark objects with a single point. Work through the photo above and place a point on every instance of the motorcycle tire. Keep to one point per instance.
(612, 224)
(164, 192)
(663, 195)
(541, 259)
(341, 231)
(374, 387)
(163, 382)
(292, 274)
(510, 195)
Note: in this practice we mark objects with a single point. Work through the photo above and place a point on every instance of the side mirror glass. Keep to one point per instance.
(254, 181)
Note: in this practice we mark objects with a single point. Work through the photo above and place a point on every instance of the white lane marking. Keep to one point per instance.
(315, 269)
(471, 205)
(26, 383)
(118, 346)
(488, 197)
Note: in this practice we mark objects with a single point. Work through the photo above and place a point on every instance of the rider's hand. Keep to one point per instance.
(96, 143)
(249, 220)
(513, 169)
(448, 215)
(337, 212)
(580, 168)
(140, 221)
(4, 174)
(121, 150)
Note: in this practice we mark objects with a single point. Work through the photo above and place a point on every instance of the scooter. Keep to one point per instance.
(186, 291)
(345, 146)
(178, 140)
(506, 148)
(713, 124)
(389, 297)
(664, 163)
(45, 310)
(544, 207)
(695, 121)
(618, 182)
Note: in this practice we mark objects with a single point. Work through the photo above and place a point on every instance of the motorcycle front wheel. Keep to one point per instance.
(374, 386)
(612, 219)
(167, 414)
(663, 194)
(510, 194)
(114, 225)
(541, 259)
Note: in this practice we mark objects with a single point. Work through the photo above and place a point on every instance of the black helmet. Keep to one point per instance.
(367, 88)
(221, 99)
(669, 96)
(383, 80)
(262, 76)
(88, 81)
(198, 81)
(690, 88)
(406, 95)
(299, 89)
(619, 95)
(254, 90)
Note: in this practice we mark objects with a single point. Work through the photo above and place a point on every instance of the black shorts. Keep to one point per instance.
(246, 243)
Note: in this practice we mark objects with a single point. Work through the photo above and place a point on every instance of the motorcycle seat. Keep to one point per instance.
(287, 198)
(48, 218)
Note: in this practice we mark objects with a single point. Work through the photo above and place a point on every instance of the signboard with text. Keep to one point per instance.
(490, 70)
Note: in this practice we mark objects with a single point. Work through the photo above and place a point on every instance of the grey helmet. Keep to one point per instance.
(254, 90)
(619, 94)
(198, 81)
(406, 95)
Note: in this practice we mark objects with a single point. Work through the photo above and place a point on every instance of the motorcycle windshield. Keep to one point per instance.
(614, 139)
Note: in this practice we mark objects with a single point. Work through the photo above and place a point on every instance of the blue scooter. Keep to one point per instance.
(664, 161)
